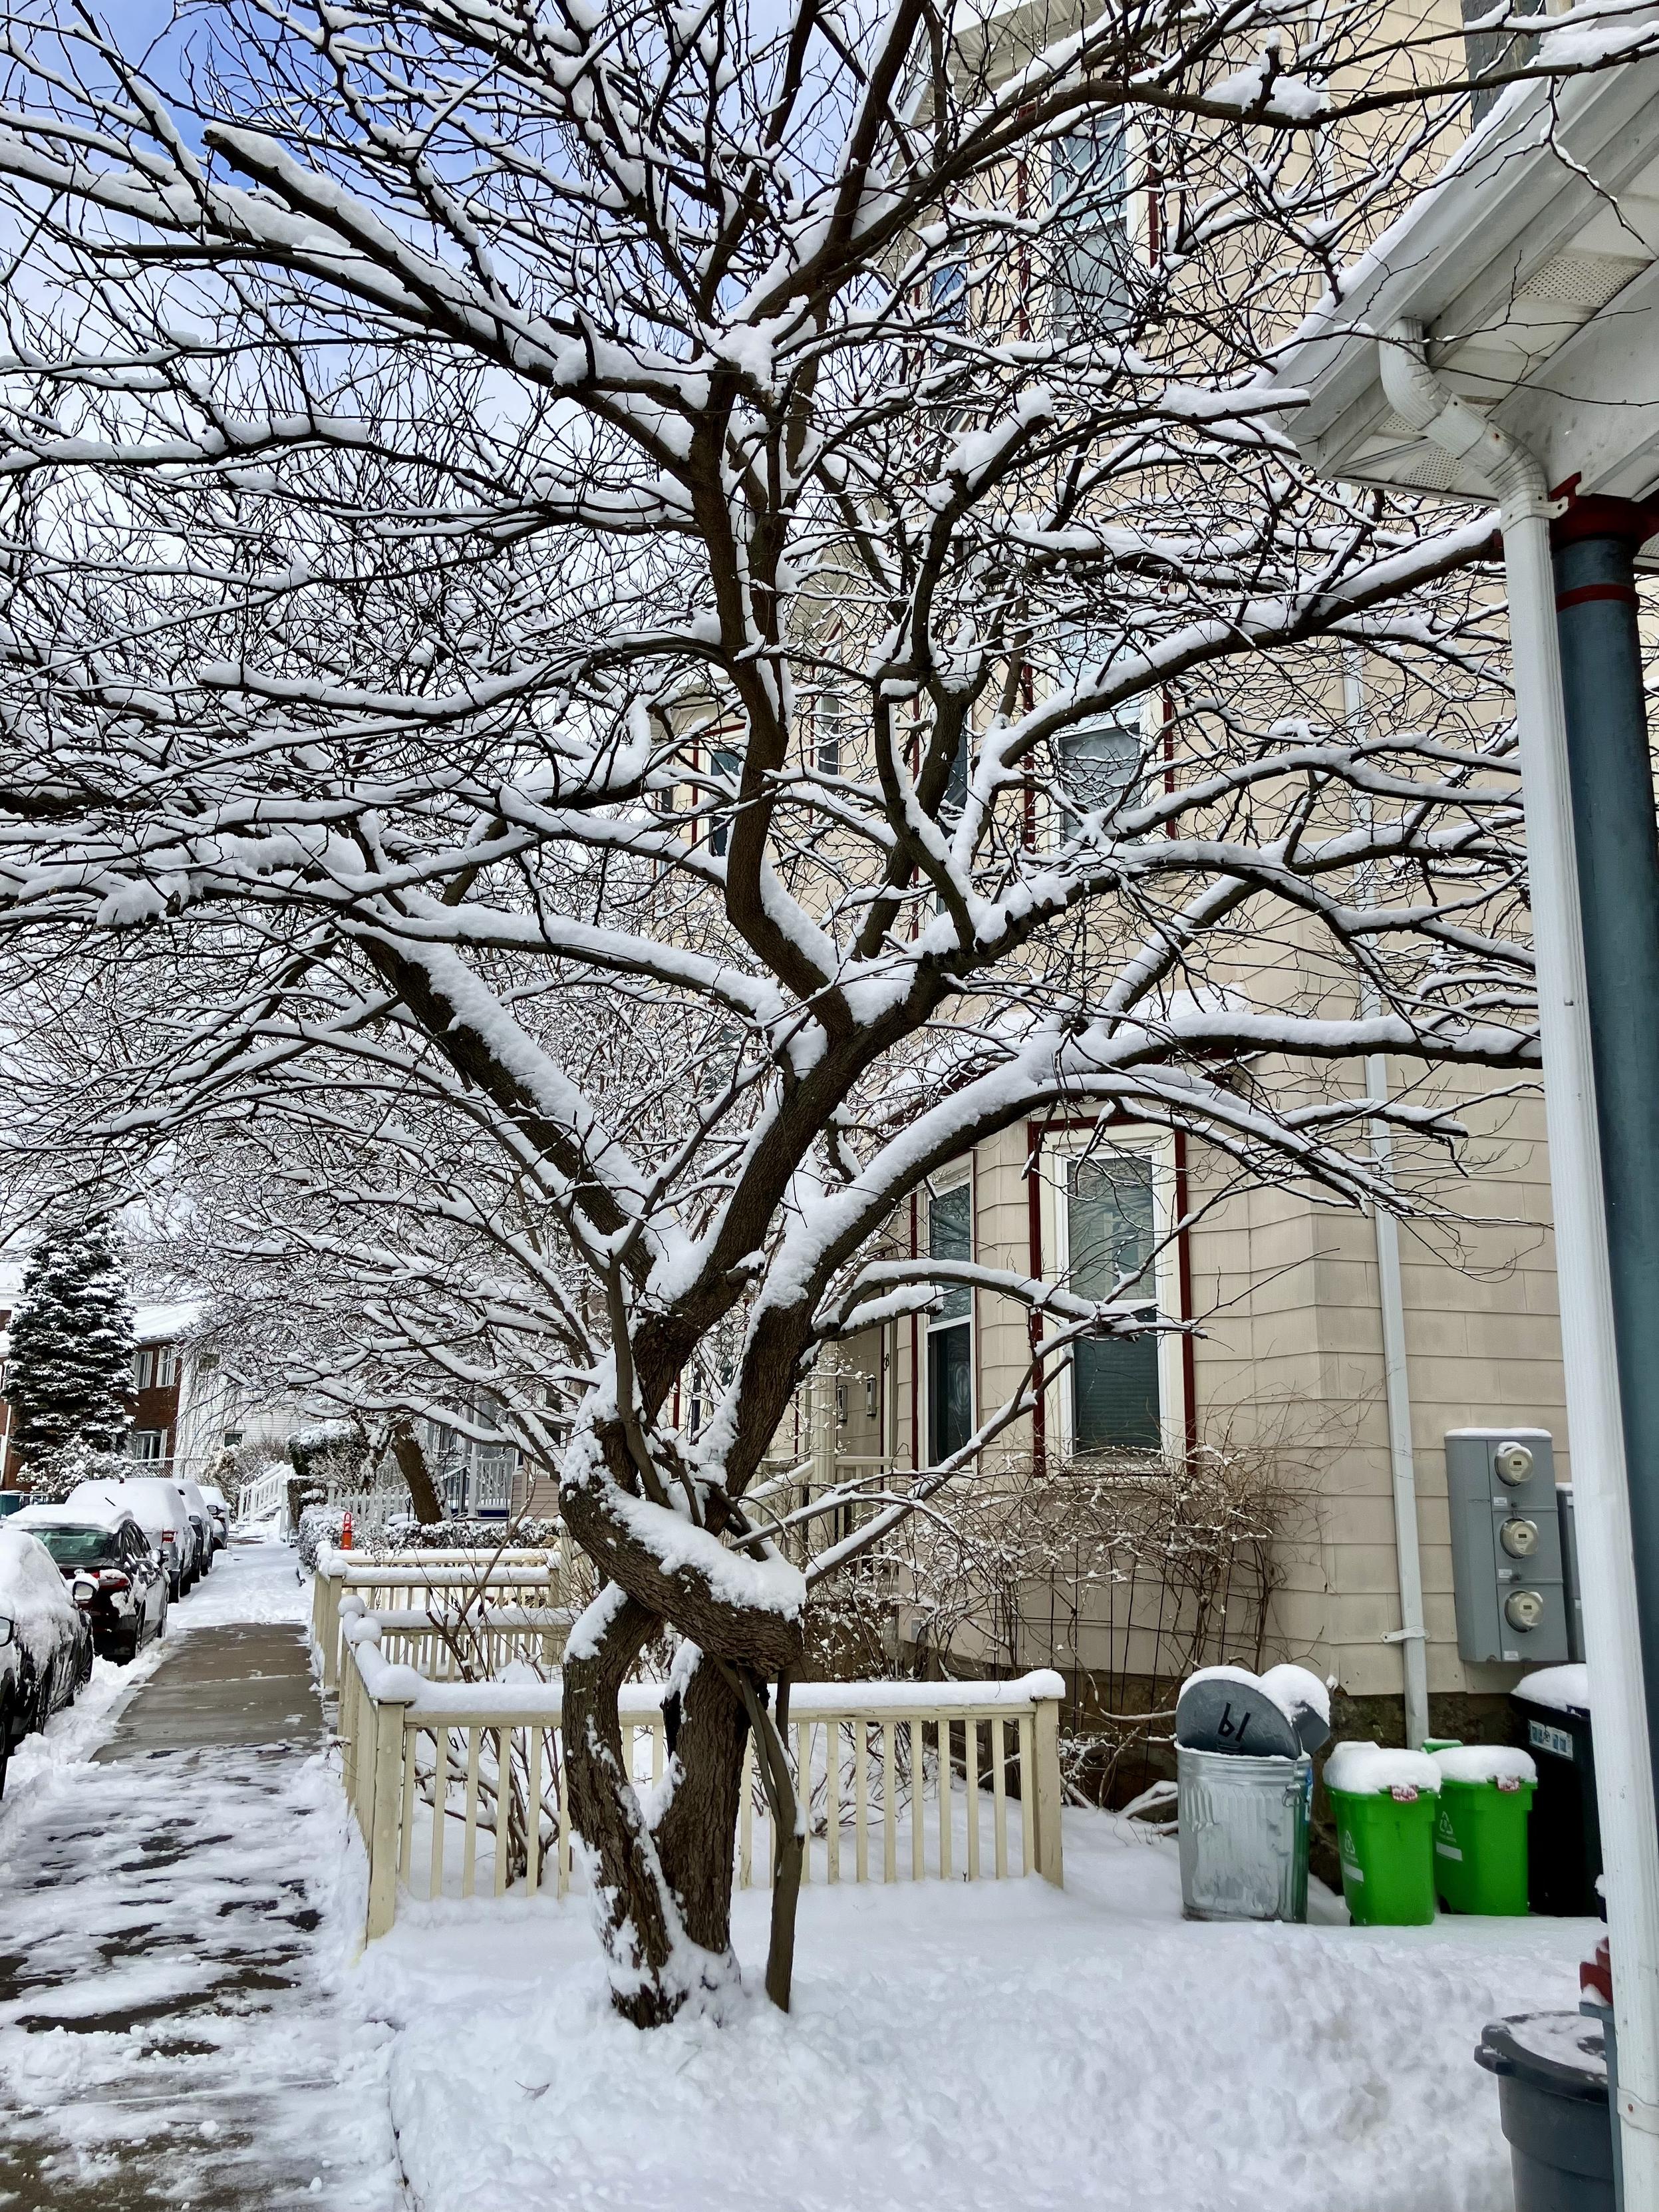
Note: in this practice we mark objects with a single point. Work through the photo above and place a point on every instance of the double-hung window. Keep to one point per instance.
(1099, 758)
(1092, 248)
(947, 295)
(828, 718)
(1124, 1391)
(950, 1330)
(719, 835)
(1489, 51)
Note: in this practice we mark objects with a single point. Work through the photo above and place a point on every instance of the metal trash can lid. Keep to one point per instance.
(1560, 2052)
(1225, 1709)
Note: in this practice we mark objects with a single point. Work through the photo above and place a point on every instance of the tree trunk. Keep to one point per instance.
(662, 1894)
(411, 1465)
(696, 1836)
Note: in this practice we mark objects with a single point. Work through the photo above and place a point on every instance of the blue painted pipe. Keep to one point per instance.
(1617, 843)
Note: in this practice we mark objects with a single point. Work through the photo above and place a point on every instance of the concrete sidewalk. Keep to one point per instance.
(168, 2030)
(243, 1682)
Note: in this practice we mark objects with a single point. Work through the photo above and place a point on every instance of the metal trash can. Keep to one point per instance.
(1243, 1828)
(1553, 2101)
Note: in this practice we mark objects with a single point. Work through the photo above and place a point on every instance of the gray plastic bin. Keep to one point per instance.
(1243, 1825)
(1552, 2101)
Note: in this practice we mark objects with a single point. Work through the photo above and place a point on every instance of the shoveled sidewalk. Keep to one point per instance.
(168, 2032)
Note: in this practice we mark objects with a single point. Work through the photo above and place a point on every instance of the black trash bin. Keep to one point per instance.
(1552, 1720)
(1553, 2102)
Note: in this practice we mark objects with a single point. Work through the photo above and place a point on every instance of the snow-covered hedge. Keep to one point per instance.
(479, 1536)
(318, 1525)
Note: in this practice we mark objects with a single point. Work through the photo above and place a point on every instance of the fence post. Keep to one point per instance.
(1045, 1729)
(326, 1620)
(382, 1753)
(349, 1727)
(354, 1627)
(333, 1591)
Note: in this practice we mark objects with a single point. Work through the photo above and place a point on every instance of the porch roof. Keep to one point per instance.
(1533, 263)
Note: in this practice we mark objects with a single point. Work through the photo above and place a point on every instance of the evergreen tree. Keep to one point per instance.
(72, 1349)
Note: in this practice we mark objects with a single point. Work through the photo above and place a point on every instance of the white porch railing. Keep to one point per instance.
(264, 1498)
(459, 1788)
(408, 1580)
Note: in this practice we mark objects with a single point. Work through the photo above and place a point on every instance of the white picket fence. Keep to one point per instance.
(460, 1788)
(449, 1580)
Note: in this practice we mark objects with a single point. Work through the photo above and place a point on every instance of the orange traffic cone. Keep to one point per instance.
(345, 1534)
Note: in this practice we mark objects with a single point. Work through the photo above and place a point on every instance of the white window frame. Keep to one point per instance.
(167, 1366)
(147, 1459)
(946, 1185)
(1061, 1151)
(144, 1367)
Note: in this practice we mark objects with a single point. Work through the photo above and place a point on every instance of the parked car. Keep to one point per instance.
(112, 1571)
(45, 1643)
(201, 1520)
(158, 1506)
(219, 1510)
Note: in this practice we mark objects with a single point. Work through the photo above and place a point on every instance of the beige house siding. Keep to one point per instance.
(1289, 1357)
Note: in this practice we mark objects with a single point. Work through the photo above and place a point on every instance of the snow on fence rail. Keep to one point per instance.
(408, 1579)
(460, 1788)
(447, 1643)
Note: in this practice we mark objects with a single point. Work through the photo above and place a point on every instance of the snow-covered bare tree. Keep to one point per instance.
(627, 628)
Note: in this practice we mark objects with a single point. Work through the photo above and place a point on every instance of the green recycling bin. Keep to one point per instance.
(1480, 1828)
(1385, 1803)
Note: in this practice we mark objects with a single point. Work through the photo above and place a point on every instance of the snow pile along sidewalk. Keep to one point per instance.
(999, 2047)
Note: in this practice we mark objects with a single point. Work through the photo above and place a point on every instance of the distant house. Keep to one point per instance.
(160, 1366)
(184, 1407)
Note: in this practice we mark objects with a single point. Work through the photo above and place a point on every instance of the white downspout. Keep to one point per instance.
(1411, 1635)
(1624, 1761)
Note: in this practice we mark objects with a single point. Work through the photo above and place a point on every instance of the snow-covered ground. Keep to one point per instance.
(991, 2047)
(996, 2047)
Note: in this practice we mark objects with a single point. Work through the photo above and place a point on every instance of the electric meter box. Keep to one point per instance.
(1506, 1546)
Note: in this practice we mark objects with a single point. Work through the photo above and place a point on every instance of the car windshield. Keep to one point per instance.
(78, 1547)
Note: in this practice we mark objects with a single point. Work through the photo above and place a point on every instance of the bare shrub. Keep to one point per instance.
(1125, 1572)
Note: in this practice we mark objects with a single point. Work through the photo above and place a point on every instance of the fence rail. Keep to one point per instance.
(460, 1788)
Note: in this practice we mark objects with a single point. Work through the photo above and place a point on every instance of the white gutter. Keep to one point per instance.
(1411, 1635)
(1623, 1763)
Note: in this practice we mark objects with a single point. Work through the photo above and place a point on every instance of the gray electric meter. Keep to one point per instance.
(1506, 1546)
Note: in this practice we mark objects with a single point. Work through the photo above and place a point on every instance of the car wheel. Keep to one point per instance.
(43, 1706)
(83, 1673)
(5, 1738)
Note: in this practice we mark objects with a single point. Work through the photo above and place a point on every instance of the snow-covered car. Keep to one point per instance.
(201, 1519)
(218, 1509)
(45, 1639)
(158, 1506)
(112, 1570)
